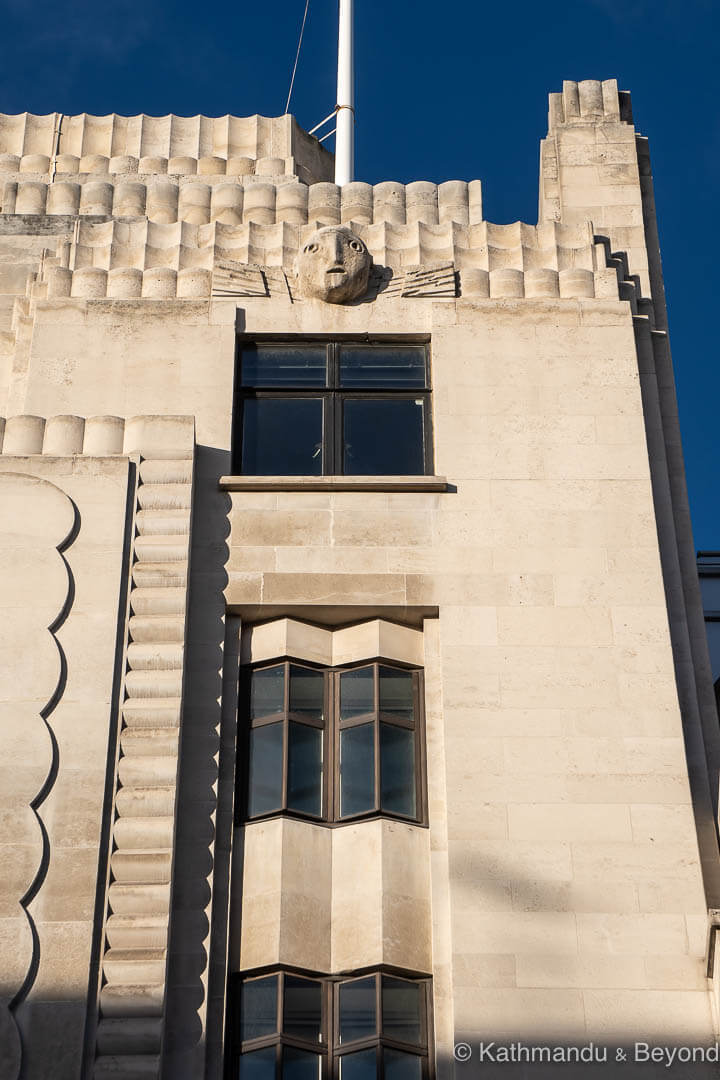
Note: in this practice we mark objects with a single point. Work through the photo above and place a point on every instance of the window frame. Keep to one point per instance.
(329, 1047)
(332, 396)
(331, 726)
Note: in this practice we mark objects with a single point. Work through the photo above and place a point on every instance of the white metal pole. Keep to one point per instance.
(344, 139)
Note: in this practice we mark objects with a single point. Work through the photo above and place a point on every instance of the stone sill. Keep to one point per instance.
(334, 483)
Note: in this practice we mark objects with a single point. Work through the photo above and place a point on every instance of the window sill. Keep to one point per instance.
(325, 823)
(334, 483)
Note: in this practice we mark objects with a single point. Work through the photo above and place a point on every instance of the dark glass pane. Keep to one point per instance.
(400, 1066)
(397, 770)
(401, 1009)
(258, 1065)
(392, 366)
(360, 1066)
(396, 692)
(357, 770)
(306, 692)
(300, 1064)
(302, 1008)
(266, 767)
(282, 437)
(284, 365)
(305, 762)
(358, 1012)
(267, 691)
(357, 692)
(258, 1008)
(383, 437)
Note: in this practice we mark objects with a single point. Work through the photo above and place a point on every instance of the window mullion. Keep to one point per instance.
(420, 764)
(338, 442)
(376, 726)
(330, 466)
(427, 433)
(286, 735)
(336, 744)
(334, 365)
(328, 750)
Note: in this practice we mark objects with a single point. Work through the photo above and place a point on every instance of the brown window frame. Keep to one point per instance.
(332, 395)
(329, 1048)
(331, 726)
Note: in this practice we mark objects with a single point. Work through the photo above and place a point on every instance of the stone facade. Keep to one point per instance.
(565, 883)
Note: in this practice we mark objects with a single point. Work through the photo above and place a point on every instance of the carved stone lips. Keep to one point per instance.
(335, 270)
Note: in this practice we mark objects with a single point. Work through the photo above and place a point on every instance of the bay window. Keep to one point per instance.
(288, 1026)
(333, 744)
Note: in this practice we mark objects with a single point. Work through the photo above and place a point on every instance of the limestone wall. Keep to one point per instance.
(561, 891)
(62, 564)
(75, 818)
(576, 900)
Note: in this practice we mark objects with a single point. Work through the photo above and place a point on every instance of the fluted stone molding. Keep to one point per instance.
(248, 197)
(39, 522)
(144, 244)
(590, 101)
(138, 912)
(594, 166)
(62, 436)
(179, 145)
(142, 259)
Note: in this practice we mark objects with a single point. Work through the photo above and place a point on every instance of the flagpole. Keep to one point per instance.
(344, 139)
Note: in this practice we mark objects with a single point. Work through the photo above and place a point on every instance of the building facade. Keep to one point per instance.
(708, 563)
(356, 704)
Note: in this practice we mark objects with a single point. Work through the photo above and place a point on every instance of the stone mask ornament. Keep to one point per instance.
(334, 266)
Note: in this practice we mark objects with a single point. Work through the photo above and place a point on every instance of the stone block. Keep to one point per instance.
(568, 822)
(632, 935)
(513, 932)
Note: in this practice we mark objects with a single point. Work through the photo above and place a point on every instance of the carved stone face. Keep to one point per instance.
(334, 265)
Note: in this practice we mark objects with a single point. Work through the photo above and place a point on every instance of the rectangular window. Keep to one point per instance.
(287, 1026)
(332, 408)
(333, 744)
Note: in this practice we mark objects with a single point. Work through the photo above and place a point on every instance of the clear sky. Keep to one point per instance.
(451, 90)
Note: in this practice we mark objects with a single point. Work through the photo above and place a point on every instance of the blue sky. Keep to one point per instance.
(444, 91)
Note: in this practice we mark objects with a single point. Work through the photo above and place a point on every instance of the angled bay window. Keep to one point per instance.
(334, 744)
(332, 408)
(286, 1026)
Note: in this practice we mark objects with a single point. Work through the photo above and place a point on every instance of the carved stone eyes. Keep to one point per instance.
(355, 245)
(310, 249)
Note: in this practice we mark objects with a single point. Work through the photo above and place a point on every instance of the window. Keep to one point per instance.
(333, 408)
(333, 744)
(285, 1026)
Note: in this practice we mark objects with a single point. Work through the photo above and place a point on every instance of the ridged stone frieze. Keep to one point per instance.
(129, 260)
(181, 145)
(590, 101)
(134, 962)
(252, 197)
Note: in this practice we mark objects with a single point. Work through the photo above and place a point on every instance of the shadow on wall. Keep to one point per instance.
(486, 1045)
(504, 1023)
(530, 1056)
(525, 1054)
(200, 819)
